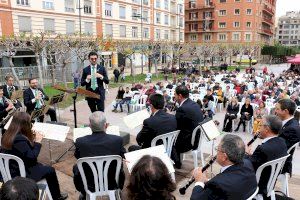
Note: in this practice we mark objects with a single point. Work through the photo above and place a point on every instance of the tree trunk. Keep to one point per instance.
(149, 64)
(200, 68)
(64, 77)
(155, 66)
(12, 66)
(230, 60)
(131, 67)
(142, 64)
(52, 72)
(38, 63)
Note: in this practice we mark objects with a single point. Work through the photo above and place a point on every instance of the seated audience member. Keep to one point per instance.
(119, 97)
(258, 115)
(98, 144)
(207, 108)
(209, 95)
(290, 130)
(246, 114)
(272, 147)
(158, 123)
(257, 100)
(235, 181)
(150, 179)
(231, 114)
(126, 100)
(220, 95)
(188, 117)
(227, 94)
(20, 141)
(19, 188)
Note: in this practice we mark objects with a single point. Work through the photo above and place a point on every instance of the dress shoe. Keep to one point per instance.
(63, 196)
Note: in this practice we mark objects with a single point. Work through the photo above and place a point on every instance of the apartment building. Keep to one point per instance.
(229, 21)
(288, 29)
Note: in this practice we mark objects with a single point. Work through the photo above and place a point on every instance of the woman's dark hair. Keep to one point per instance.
(19, 188)
(121, 88)
(21, 124)
(150, 180)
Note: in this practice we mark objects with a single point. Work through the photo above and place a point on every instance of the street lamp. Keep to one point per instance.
(79, 16)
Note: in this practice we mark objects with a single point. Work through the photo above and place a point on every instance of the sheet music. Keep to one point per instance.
(157, 151)
(113, 130)
(211, 130)
(52, 131)
(81, 132)
(136, 119)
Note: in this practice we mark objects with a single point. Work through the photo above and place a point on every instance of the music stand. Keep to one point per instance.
(55, 100)
(76, 91)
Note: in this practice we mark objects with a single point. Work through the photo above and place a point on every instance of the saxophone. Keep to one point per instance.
(10, 112)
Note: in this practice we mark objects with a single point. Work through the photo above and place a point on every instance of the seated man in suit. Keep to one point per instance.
(34, 98)
(158, 123)
(5, 107)
(9, 88)
(188, 117)
(272, 147)
(235, 181)
(290, 131)
(98, 144)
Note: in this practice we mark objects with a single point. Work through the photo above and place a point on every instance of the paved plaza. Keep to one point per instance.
(64, 166)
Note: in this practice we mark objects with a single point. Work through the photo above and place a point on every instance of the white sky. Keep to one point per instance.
(286, 5)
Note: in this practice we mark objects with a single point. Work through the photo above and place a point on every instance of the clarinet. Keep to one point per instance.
(192, 180)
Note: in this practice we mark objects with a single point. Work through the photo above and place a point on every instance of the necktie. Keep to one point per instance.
(38, 104)
(10, 90)
(1, 101)
(93, 78)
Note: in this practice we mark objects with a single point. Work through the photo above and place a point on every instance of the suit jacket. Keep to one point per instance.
(290, 132)
(236, 182)
(100, 144)
(28, 96)
(188, 117)
(158, 124)
(272, 149)
(3, 112)
(5, 90)
(101, 70)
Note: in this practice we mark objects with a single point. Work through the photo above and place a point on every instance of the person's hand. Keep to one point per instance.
(199, 175)
(38, 137)
(99, 75)
(248, 149)
(88, 77)
(9, 107)
(39, 96)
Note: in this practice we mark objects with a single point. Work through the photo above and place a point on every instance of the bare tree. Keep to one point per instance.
(128, 50)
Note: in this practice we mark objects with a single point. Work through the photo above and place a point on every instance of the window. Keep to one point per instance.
(236, 11)
(236, 36)
(157, 3)
(122, 12)
(24, 23)
(87, 7)
(248, 24)
(122, 30)
(69, 6)
(248, 37)
(237, 0)
(249, 0)
(222, 37)
(181, 22)
(108, 8)
(207, 37)
(145, 15)
(166, 36)
(193, 37)
(180, 8)
(194, 15)
(146, 33)
(145, 2)
(88, 28)
(23, 2)
(181, 36)
(70, 27)
(236, 24)
(135, 1)
(166, 19)
(166, 2)
(134, 14)
(134, 32)
(157, 34)
(49, 5)
(222, 1)
(158, 18)
(49, 25)
(222, 12)
(222, 24)
(249, 11)
(194, 27)
(108, 30)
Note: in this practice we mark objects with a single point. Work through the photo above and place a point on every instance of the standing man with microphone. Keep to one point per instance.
(93, 77)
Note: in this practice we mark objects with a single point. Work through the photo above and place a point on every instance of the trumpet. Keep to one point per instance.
(192, 180)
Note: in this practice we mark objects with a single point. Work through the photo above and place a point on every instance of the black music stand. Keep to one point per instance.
(55, 100)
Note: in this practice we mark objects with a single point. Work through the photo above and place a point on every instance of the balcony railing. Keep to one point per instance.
(267, 31)
(268, 21)
(200, 7)
(269, 10)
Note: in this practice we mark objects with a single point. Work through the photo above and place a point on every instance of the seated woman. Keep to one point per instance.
(207, 108)
(231, 114)
(150, 179)
(21, 141)
(220, 95)
(119, 97)
(259, 113)
(246, 114)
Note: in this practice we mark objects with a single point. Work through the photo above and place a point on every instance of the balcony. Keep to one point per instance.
(267, 32)
(267, 21)
(200, 7)
(268, 10)
(199, 30)
(199, 19)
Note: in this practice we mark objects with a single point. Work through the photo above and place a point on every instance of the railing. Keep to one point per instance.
(268, 9)
(268, 31)
(269, 21)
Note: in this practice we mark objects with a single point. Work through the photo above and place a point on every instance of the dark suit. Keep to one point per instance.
(290, 132)
(273, 149)
(28, 96)
(98, 144)
(29, 153)
(158, 124)
(7, 94)
(235, 182)
(3, 112)
(95, 104)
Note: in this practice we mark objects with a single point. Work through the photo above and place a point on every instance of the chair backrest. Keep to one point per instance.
(276, 167)
(99, 166)
(168, 140)
(194, 137)
(254, 194)
(291, 150)
(4, 166)
(143, 99)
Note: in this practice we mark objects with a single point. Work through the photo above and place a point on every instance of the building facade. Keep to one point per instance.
(229, 21)
(288, 29)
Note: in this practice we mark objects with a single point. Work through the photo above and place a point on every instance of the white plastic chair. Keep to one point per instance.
(254, 194)
(276, 167)
(284, 178)
(99, 166)
(141, 102)
(198, 150)
(168, 140)
(134, 102)
(6, 175)
(215, 102)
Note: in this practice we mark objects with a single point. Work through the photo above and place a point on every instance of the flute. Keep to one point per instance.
(183, 189)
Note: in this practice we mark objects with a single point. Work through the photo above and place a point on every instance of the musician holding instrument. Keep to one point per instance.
(235, 181)
(9, 88)
(5, 107)
(34, 99)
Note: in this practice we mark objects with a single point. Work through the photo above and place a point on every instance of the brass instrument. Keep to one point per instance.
(10, 112)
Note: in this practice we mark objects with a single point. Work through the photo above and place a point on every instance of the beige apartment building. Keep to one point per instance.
(229, 21)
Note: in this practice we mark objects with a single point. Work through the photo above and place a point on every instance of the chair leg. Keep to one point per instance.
(195, 159)
(273, 195)
(202, 158)
(173, 177)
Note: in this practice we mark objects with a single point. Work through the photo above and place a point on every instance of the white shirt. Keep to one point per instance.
(285, 121)
(266, 139)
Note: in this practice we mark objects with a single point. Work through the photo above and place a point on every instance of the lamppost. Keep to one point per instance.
(179, 40)
(79, 16)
